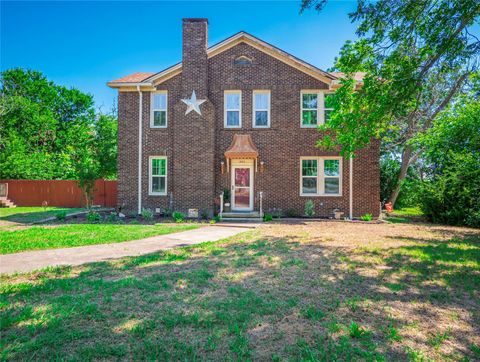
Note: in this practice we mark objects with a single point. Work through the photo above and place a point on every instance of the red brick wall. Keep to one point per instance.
(195, 144)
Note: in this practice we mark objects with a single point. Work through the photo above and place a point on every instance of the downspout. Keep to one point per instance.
(140, 111)
(350, 187)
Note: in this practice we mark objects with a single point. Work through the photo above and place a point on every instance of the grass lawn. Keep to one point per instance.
(311, 291)
(48, 237)
(406, 215)
(32, 214)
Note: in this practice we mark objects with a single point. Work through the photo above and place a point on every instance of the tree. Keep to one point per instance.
(418, 56)
(51, 132)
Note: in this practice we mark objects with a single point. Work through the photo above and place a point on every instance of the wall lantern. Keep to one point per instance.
(262, 166)
(222, 167)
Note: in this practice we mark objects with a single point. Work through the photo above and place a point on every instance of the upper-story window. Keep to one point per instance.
(261, 109)
(158, 114)
(315, 108)
(233, 109)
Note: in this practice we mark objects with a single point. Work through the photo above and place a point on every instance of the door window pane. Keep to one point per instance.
(242, 177)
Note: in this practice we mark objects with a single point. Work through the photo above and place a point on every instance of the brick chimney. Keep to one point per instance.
(194, 56)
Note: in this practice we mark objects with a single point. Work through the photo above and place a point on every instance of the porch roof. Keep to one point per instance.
(242, 147)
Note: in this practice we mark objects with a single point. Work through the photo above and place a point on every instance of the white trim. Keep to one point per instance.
(320, 106)
(150, 192)
(321, 176)
(232, 187)
(239, 92)
(140, 136)
(264, 91)
(152, 110)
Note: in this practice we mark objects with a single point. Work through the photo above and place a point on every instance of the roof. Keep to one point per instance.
(133, 78)
(242, 147)
(152, 79)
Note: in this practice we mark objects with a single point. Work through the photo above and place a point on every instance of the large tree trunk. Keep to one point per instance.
(406, 160)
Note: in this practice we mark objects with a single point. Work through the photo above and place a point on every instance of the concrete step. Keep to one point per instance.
(6, 202)
(242, 219)
(241, 215)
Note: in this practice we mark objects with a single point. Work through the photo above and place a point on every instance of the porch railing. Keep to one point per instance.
(221, 205)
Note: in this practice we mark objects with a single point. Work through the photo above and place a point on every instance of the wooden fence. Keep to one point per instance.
(62, 193)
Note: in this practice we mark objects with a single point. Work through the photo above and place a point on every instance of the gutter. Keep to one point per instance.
(350, 188)
(140, 111)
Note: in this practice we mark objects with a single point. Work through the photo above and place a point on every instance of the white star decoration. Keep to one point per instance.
(193, 104)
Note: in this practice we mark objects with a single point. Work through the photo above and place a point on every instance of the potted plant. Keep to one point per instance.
(226, 200)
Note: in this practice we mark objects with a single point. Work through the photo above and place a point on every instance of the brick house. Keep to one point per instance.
(240, 115)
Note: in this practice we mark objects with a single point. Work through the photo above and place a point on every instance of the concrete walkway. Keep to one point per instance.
(33, 260)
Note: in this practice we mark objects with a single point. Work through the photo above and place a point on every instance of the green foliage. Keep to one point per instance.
(51, 132)
(452, 192)
(178, 216)
(416, 56)
(291, 213)
(61, 215)
(366, 217)
(147, 214)
(357, 331)
(217, 218)
(267, 217)
(93, 216)
(453, 196)
(309, 208)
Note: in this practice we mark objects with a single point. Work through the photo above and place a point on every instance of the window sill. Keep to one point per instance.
(158, 127)
(321, 195)
(157, 194)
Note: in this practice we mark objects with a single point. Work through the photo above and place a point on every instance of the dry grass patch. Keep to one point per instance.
(298, 291)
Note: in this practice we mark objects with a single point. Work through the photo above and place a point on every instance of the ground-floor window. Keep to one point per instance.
(321, 176)
(158, 175)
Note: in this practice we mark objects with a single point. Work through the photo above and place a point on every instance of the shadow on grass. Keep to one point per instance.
(251, 298)
(29, 216)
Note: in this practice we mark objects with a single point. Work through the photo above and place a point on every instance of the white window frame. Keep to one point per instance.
(239, 92)
(150, 176)
(321, 176)
(152, 109)
(320, 107)
(254, 109)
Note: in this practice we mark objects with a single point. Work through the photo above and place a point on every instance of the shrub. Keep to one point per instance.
(267, 217)
(178, 216)
(291, 213)
(366, 217)
(309, 208)
(217, 218)
(112, 217)
(452, 197)
(93, 216)
(61, 215)
(147, 214)
(204, 214)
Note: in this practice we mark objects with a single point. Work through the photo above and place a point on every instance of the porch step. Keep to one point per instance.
(241, 214)
(243, 219)
(4, 202)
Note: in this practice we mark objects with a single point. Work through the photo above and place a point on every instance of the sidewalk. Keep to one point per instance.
(33, 260)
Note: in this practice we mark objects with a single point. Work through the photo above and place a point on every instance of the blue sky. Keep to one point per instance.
(85, 44)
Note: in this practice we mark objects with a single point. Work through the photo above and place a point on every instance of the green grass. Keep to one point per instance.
(25, 214)
(405, 215)
(250, 298)
(45, 237)
(408, 211)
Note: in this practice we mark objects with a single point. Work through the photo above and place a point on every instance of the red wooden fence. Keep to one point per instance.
(64, 193)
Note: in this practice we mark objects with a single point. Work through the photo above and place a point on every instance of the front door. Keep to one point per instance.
(242, 188)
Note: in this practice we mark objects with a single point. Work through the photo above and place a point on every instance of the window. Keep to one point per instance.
(316, 107)
(261, 109)
(327, 106)
(320, 176)
(233, 109)
(243, 61)
(158, 175)
(158, 116)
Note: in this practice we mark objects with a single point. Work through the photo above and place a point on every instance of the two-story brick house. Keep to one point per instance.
(240, 115)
